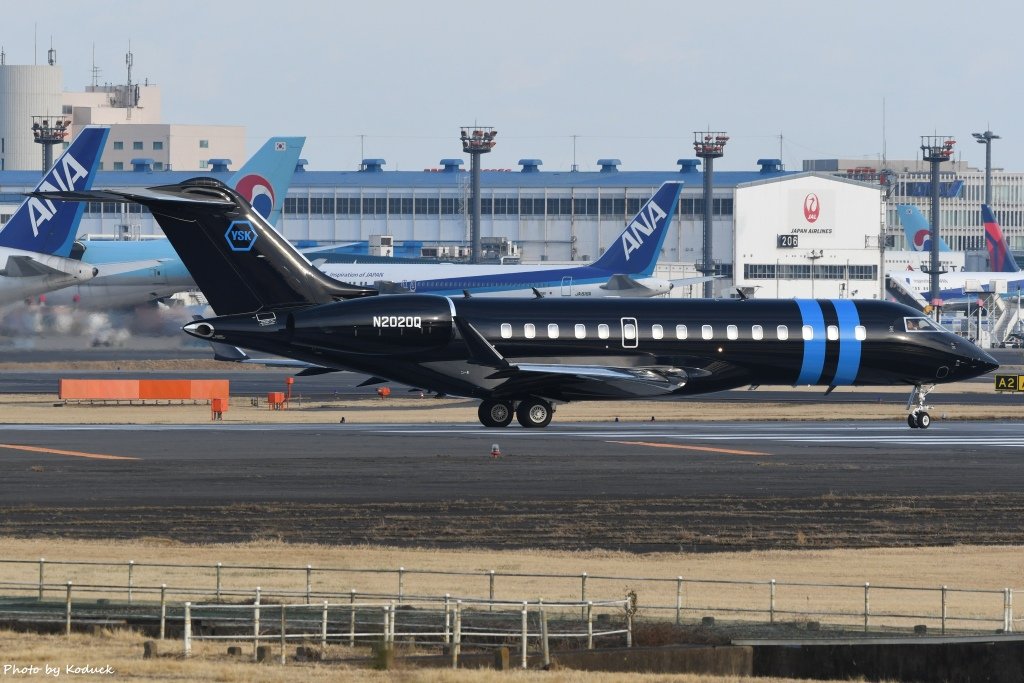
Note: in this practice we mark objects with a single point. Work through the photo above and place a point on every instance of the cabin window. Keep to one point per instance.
(807, 332)
(506, 331)
(860, 333)
(782, 332)
(657, 332)
(832, 332)
(602, 331)
(629, 331)
(581, 331)
(553, 331)
(757, 332)
(680, 331)
(706, 332)
(732, 332)
(529, 331)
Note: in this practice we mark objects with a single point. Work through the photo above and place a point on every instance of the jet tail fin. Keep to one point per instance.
(917, 229)
(46, 226)
(240, 262)
(637, 248)
(263, 180)
(1000, 258)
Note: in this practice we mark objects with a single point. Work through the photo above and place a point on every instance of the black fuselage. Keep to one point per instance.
(511, 348)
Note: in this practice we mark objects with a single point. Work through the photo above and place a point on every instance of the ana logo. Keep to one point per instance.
(258, 191)
(65, 176)
(240, 236)
(812, 208)
(645, 224)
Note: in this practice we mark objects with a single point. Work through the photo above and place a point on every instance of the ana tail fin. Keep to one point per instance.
(1000, 258)
(637, 248)
(47, 226)
(263, 181)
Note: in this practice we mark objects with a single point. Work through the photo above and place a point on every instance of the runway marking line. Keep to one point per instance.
(686, 447)
(56, 451)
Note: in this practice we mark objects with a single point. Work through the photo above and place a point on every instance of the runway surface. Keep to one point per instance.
(629, 486)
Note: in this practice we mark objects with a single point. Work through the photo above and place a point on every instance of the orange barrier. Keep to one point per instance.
(276, 400)
(143, 389)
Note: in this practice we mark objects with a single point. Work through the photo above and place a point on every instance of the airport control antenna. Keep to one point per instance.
(936, 149)
(49, 131)
(476, 140)
(709, 145)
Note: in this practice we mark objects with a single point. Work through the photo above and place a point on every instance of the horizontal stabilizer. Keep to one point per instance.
(26, 266)
(620, 283)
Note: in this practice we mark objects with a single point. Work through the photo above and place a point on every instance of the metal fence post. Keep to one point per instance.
(771, 603)
(163, 610)
(544, 635)
(490, 591)
(391, 628)
(309, 583)
(1006, 610)
(42, 563)
(943, 610)
(352, 618)
(525, 634)
(457, 645)
(867, 610)
(590, 625)
(401, 583)
(187, 634)
(583, 589)
(1010, 610)
(447, 619)
(256, 624)
(629, 629)
(679, 599)
(131, 566)
(283, 635)
(323, 627)
(67, 612)
(218, 581)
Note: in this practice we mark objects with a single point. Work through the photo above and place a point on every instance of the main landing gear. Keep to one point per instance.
(918, 417)
(533, 413)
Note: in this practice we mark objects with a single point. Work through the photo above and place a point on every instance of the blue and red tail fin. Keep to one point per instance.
(1000, 258)
(917, 229)
(48, 226)
(637, 248)
(265, 178)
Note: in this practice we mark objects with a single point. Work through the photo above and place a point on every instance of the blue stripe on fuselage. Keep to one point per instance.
(849, 345)
(814, 348)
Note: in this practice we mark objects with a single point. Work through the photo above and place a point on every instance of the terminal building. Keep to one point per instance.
(830, 230)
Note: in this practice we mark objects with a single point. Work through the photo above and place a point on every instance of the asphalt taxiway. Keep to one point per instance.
(633, 486)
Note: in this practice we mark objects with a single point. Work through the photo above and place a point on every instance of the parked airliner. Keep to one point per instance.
(519, 356)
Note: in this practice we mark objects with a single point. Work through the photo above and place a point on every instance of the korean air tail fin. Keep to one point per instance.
(263, 181)
(240, 262)
(637, 248)
(917, 229)
(1000, 258)
(47, 226)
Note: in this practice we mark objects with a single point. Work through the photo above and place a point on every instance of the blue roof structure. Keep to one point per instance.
(447, 177)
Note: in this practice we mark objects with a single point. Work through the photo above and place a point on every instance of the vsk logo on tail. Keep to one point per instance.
(240, 236)
(642, 226)
(65, 176)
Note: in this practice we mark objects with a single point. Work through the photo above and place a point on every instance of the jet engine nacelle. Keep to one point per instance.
(376, 325)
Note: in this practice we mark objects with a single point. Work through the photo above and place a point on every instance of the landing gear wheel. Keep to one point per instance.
(534, 413)
(912, 420)
(495, 413)
(924, 420)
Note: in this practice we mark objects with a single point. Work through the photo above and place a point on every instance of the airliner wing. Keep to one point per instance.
(637, 382)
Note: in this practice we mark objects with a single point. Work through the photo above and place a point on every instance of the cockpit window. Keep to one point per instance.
(921, 324)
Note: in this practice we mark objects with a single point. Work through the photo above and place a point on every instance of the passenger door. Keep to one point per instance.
(630, 333)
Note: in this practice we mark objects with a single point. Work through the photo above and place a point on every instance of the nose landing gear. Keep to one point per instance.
(918, 417)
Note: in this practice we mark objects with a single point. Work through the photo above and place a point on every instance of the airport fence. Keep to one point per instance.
(679, 599)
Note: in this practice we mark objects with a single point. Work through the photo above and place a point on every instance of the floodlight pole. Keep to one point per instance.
(936, 149)
(709, 145)
(476, 140)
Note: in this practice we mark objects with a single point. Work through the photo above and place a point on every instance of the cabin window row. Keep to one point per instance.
(682, 332)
